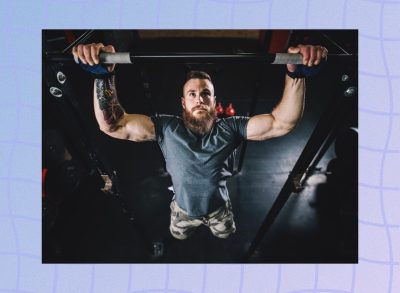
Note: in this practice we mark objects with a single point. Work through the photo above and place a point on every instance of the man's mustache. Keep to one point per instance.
(200, 108)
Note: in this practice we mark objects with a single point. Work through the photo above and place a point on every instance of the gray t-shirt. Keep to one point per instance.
(198, 164)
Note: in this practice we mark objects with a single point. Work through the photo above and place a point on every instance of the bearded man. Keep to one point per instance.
(196, 147)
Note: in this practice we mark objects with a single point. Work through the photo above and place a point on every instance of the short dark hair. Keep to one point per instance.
(197, 74)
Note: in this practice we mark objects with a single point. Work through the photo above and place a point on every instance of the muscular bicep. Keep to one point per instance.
(134, 127)
(139, 127)
(265, 126)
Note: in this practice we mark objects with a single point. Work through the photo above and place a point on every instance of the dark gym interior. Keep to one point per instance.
(107, 200)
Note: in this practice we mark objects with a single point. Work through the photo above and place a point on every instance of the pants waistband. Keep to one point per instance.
(210, 215)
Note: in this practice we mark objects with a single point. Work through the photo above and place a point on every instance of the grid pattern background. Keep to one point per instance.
(379, 145)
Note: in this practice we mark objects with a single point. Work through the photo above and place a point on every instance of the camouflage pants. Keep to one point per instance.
(220, 222)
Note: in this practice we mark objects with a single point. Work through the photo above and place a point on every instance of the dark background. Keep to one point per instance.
(130, 224)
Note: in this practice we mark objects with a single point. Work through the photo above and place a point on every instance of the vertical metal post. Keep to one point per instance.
(264, 45)
(328, 121)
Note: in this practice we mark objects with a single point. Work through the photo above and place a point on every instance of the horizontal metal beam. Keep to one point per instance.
(130, 58)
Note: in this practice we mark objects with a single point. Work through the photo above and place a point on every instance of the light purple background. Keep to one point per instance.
(20, 139)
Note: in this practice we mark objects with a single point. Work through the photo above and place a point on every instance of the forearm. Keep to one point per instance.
(108, 111)
(290, 109)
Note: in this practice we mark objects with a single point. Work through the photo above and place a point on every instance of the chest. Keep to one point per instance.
(184, 147)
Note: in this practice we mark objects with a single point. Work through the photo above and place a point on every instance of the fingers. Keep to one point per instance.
(318, 58)
(312, 55)
(108, 49)
(305, 52)
(79, 53)
(89, 54)
(294, 50)
(75, 54)
(95, 50)
(324, 52)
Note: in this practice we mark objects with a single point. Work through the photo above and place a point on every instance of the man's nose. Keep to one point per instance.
(200, 99)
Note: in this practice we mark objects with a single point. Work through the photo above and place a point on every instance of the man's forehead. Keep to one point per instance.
(198, 84)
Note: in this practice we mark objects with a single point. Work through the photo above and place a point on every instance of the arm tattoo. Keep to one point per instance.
(108, 102)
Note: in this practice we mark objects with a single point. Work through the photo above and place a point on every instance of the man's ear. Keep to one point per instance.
(183, 102)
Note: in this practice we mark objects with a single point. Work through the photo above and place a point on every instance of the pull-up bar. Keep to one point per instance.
(131, 58)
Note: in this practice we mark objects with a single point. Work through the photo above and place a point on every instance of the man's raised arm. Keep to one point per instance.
(288, 112)
(110, 115)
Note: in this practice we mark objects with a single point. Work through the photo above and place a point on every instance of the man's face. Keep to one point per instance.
(198, 96)
(198, 103)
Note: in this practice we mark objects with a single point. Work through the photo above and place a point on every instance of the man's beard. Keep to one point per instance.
(200, 124)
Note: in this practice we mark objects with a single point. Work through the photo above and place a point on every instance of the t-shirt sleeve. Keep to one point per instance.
(238, 124)
(161, 123)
